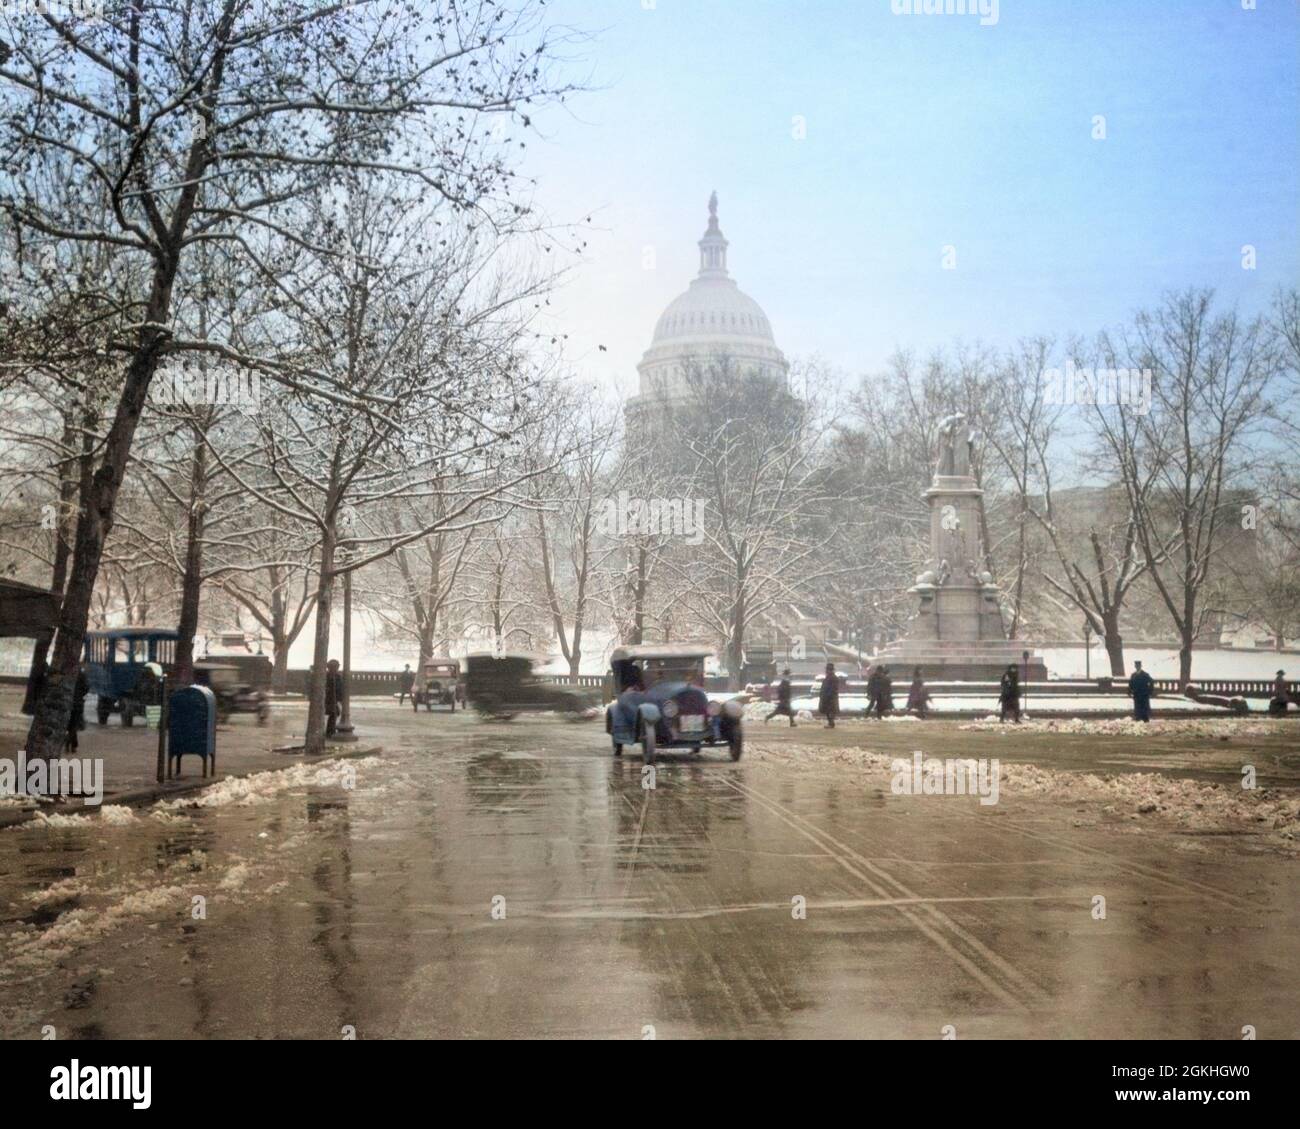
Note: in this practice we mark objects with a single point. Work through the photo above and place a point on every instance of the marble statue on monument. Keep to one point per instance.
(957, 633)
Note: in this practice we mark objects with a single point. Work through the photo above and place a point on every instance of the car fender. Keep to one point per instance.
(649, 713)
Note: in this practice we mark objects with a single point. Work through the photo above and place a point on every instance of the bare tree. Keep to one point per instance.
(753, 451)
(1179, 461)
(567, 508)
(190, 122)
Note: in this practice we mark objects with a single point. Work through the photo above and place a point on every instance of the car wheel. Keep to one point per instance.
(648, 745)
(102, 712)
(618, 748)
(128, 714)
(737, 745)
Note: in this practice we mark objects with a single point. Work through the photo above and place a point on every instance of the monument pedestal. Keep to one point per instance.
(957, 634)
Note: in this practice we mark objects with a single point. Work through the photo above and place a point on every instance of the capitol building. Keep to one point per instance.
(713, 322)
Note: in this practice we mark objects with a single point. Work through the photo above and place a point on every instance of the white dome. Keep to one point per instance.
(714, 318)
(710, 309)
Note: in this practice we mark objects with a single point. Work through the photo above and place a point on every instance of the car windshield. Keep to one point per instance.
(673, 670)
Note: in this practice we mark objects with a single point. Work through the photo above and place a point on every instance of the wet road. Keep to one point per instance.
(516, 881)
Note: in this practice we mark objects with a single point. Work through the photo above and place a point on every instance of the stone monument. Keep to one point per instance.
(957, 633)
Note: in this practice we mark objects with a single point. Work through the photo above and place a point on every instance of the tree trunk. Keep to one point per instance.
(314, 739)
(192, 581)
(1115, 652)
(45, 737)
(638, 598)
(280, 663)
(68, 490)
(736, 645)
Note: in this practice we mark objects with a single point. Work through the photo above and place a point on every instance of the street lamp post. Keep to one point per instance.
(345, 719)
(1087, 650)
(345, 729)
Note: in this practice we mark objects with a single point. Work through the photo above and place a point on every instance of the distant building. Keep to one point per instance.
(711, 322)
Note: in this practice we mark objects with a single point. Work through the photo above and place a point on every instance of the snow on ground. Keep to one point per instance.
(1162, 662)
(1271, 816)
(98, 903)
(1128, 727)
(954, 703)
(261, 787)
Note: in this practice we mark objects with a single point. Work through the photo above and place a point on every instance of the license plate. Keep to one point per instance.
(692, 723)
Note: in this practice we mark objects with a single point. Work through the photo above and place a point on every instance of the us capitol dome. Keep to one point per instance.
(712, 320)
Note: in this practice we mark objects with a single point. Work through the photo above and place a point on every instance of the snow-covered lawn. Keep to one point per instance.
(1270, 816)
(1128, 727)
(972, 703)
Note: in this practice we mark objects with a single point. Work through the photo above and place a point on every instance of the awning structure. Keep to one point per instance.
(27, 611)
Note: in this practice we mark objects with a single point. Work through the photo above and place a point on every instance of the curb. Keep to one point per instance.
(141, 796)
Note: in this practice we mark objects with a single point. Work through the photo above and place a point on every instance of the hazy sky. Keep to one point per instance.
(921, 132)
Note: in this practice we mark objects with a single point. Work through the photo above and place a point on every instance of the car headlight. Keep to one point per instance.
(670, 708)
(713, 709)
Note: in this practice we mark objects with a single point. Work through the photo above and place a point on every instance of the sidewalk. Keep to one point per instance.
(130, 755)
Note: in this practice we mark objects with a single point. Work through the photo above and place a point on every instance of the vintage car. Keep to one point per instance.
(239, 649)
(124, 668)
(441, 683)
(232, 690)
(500, 686)
(660, 702)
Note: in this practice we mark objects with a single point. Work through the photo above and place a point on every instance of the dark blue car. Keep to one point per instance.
(661, 703)
(123, 667)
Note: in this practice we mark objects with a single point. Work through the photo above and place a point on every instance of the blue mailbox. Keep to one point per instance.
(192, 727)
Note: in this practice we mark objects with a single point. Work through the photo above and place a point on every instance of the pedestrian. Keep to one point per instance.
(1140, 686)
(333, 696)
(782, 699)
(918, 695)
(884, 701)
(873, 689)
(1009, 697)
(406, 685)
(828, 701)
(1281, 695)
(77, 718)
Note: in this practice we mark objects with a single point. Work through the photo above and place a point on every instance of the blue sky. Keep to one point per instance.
(921, 132)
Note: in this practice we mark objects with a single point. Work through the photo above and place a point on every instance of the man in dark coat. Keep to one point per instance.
(406, 685)
(1009, 697)
(782, 700)
(883, 699)
(1140, 686)
(873, 688)
(333, 696)
(828, 701)
(918, 695)
(77, 718)
(1281, 694)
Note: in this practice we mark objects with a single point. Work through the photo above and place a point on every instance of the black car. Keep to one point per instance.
(500, 686)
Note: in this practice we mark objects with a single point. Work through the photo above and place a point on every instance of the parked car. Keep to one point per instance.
(500, 686)
(441, 683)
(232, 690)
(660, 703)
(124, 669)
